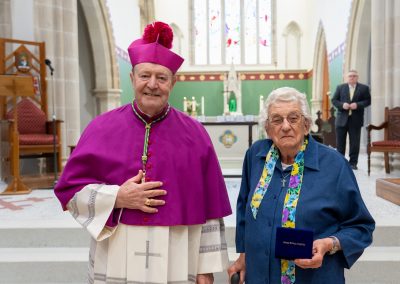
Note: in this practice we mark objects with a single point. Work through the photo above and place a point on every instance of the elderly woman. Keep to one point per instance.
(291, 181)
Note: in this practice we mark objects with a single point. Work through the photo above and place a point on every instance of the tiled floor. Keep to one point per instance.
(382, 210)
(41, 206)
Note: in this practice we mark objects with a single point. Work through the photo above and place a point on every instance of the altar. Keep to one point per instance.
(231, 139)
(232, 132)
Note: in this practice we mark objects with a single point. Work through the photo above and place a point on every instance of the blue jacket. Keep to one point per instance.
(330, 204)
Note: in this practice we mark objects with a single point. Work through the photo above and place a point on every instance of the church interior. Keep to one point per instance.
(62, 63)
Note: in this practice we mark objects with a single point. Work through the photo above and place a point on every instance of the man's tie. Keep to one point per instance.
(351, 89)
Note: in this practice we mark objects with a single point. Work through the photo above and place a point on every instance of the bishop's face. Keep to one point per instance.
(152, 84)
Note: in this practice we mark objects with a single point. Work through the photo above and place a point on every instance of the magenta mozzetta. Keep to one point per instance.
(110, 150)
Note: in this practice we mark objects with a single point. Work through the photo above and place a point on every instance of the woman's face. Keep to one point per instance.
(286, 126)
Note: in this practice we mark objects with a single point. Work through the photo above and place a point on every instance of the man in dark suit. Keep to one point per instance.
(350, 99)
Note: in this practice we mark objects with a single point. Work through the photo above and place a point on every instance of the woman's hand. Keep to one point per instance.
(136, 195)
(320, 248)
(238, 266)
(205, 278)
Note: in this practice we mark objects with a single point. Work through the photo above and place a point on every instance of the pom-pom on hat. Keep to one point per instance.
(154, 47)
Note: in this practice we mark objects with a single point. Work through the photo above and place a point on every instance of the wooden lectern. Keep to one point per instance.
(16, 86)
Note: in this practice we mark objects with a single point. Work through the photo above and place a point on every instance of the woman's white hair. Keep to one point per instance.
(287, 94)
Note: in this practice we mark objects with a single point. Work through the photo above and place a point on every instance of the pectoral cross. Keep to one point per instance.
(147, 254)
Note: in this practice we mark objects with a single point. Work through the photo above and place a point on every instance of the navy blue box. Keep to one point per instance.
(293, 243)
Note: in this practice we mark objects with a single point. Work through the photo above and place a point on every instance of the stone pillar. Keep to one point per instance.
(107, 99)
(385, 63)
(5, 31)
(395, 95)
(5, 19)
(56, 23)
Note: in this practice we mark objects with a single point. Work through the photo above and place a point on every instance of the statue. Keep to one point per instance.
(232, 93)
(232, 103)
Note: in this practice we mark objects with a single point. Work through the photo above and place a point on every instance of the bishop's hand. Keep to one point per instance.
(136, 195)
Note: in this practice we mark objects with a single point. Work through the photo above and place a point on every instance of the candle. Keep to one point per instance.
(261, 103)
(184, 104)
(202, 105)
(193, 104)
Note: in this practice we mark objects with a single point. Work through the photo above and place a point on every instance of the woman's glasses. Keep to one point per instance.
(292, 118)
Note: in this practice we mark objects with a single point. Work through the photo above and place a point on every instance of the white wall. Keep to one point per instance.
(303, 13)
(177, 12)
(335, 17)
(125, 20)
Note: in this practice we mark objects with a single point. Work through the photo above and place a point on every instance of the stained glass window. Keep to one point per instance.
(232, 31)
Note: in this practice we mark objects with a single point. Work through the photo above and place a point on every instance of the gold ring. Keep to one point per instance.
(147, 202)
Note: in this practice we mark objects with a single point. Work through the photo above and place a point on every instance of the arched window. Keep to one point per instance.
(178, 36)
(292, 35)
(232, 31)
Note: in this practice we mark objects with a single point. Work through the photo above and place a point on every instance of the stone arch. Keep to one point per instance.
(178, 38)
(320, 68)
(106, 74)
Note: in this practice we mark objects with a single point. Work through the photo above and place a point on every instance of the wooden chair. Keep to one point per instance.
(35, 133)
(30, 134)
(391, 140)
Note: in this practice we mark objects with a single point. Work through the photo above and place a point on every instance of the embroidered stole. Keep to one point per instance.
(291, 198)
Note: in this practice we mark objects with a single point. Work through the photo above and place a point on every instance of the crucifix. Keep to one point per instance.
(284, 179)
(147, 254)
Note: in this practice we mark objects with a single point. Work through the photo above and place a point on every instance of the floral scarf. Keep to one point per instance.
(291, 198)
